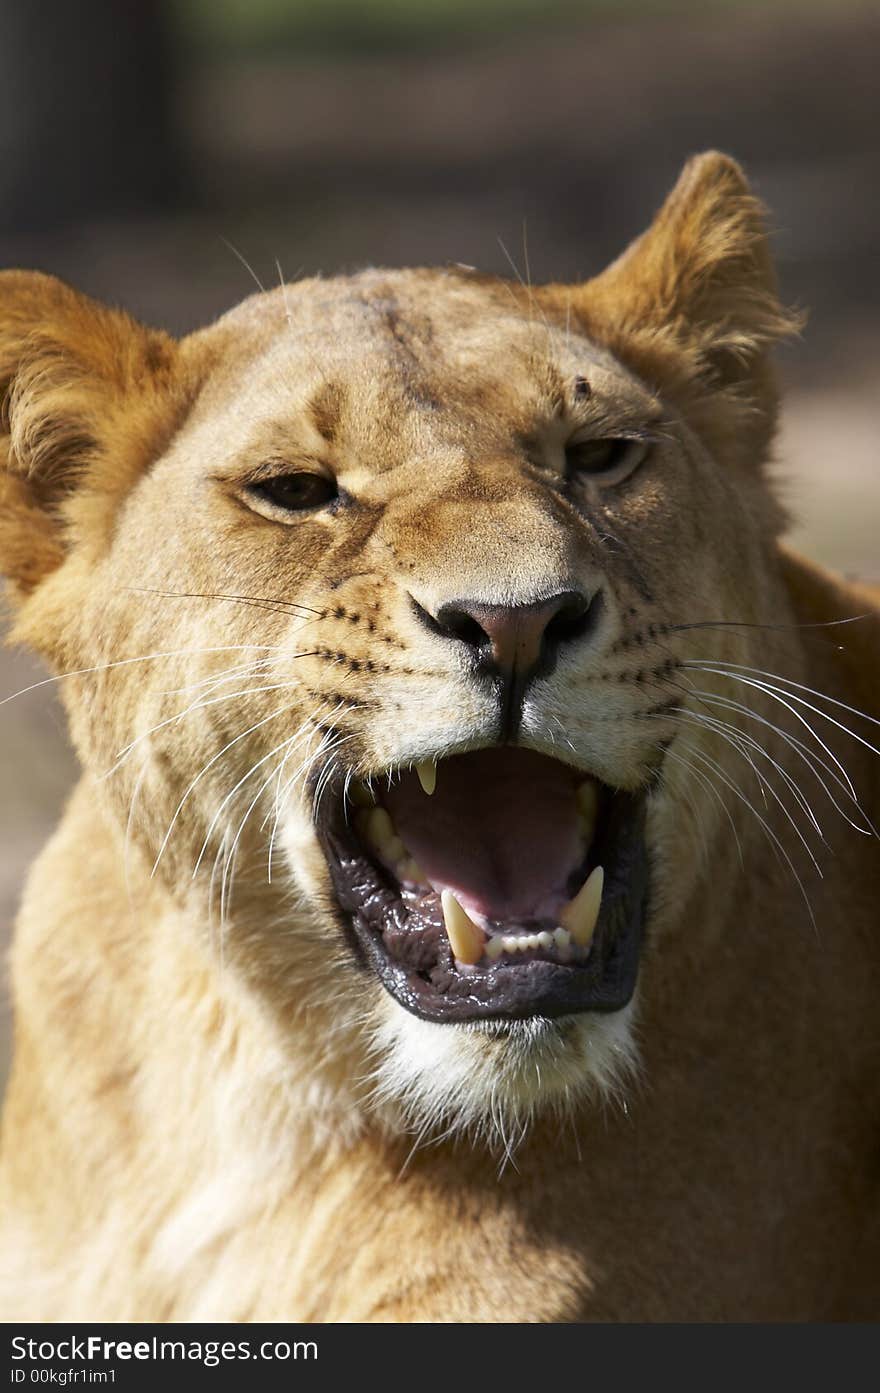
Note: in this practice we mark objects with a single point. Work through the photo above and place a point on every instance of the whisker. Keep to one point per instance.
(227, 674)
(708, 783)
(810, 757)
(126, 844)
(221, 923)
(276, 806)
(734, 788)
(287, 314)
(696, 820)
(245, 263)
(327, 772)
(273, 715)
(257, 601)
(735, 733)
(229, 861)
(759, 686)
(197, 706)
(780, 694)
(283, 790)
(253, 769)
(142, 658)
(709, 698)
(801, 687)
(708, 722)
(301, 771)
(749, 624)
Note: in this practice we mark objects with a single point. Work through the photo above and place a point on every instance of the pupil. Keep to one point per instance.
(294, 491)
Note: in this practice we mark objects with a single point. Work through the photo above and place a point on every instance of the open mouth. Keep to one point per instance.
(497, 884)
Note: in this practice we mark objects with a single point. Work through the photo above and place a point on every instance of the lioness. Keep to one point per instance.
(468, 908)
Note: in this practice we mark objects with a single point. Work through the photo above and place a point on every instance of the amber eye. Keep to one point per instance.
(294, 492)
(606, 461)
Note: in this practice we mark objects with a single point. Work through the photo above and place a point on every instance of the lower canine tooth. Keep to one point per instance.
(466, 939)
(580, 914)
(381, 829)
(411, 871)
(426, 769)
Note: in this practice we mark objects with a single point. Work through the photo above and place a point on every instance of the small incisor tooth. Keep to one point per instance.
(426, 769)
(580, 914)
(465, 937)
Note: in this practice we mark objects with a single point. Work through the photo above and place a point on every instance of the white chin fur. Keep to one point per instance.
(485, 1079)
(490, 1079)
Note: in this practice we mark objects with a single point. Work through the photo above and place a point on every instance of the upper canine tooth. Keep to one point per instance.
(426, 769)
(465, 938)
(580, 914)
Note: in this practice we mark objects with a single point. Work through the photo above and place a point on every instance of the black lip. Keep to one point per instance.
(418, 970)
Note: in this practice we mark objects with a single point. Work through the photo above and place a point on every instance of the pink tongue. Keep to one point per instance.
(500, 830)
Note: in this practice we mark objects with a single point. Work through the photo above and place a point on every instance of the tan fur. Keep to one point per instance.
(215, 1112)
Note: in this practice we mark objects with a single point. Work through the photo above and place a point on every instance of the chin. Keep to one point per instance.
(493, 905)
(490, 1080)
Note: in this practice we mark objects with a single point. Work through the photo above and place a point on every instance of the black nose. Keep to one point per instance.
(515, 643)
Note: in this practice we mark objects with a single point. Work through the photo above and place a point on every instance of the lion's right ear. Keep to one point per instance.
(693, 305)
(86, 397)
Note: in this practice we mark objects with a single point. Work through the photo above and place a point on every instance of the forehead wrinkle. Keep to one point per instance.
(406, 335)
(368, 374)
(325, 407)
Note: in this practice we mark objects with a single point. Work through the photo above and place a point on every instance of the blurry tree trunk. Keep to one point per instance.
(85, 109)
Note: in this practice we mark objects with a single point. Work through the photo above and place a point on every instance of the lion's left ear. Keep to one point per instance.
(694, 299)
(86, 396)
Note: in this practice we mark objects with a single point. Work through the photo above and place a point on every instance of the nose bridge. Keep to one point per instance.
(499, 547)
(505, 579)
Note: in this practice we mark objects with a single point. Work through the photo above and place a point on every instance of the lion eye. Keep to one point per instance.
(606, 461)
(295, 492)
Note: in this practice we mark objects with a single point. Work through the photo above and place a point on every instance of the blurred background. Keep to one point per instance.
(142, 140)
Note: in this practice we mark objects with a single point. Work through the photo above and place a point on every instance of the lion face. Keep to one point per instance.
(383, 601)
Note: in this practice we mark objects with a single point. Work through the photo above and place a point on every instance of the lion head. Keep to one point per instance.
(375, 599)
